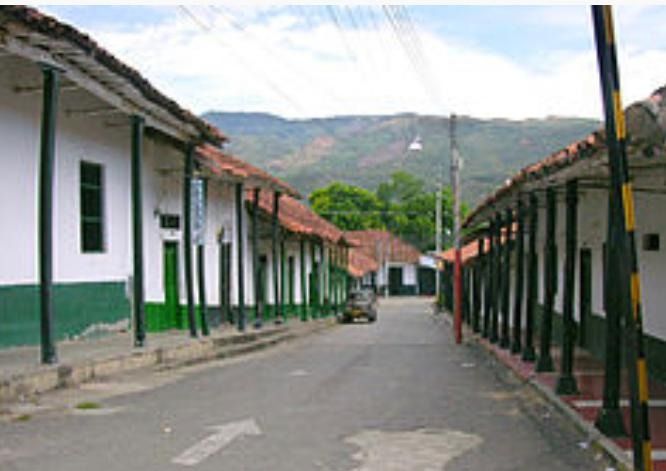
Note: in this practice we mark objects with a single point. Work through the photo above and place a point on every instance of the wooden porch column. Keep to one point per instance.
(566, 383)
(274, 249)
(258, 306)
(478, 287)
(529, 355)
(496, 290)
(545, 362)
(505, 341)
(50, 88)
(304, 292)
(516, 344)
(241, 256)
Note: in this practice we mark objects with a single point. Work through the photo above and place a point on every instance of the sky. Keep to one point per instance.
(512, 62)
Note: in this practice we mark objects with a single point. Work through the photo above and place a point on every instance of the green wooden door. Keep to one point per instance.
(171, 296)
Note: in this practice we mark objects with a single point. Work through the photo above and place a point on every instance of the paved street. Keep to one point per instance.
(395, 395)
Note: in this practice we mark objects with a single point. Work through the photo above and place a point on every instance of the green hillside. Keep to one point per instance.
(366, 150)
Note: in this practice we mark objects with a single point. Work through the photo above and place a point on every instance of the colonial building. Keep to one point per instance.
(101, 175)
(398, 261)
(538, 271)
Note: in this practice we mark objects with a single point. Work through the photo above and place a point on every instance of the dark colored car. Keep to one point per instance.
(360, 304)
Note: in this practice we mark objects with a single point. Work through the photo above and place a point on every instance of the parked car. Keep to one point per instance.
(361, 304)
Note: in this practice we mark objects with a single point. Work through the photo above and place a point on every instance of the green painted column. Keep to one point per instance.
(505, 341)
(283, 279)
(478, 287)
(304, 286)
(330, 271)
(585, 300)
(258, 307)
(516, 343)
(609, 420)
(545, 361)
(50, 88)
(529, 354)
(241, 321)
(138, 307)
(496, 284)
(566, 384)
(488, 282)
(187, 238)
(322, 280)
(313, 281)
(274, 250)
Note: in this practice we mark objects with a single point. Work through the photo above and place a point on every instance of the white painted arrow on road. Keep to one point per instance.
(224, 435)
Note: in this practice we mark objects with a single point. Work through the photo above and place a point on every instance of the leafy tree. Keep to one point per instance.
(348, 207)
(401, 205)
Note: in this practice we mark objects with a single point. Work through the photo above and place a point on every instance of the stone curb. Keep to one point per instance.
(597, 440)
(51, 377)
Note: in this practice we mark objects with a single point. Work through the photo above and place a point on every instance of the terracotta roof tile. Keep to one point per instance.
(298, 218)
(222, 163)
(49, 26)
(368, 242)
(360, 264)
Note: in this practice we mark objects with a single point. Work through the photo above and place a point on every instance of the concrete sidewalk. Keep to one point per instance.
(583, 407)
(21, 374)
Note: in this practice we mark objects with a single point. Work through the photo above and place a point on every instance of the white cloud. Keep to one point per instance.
(279, 66)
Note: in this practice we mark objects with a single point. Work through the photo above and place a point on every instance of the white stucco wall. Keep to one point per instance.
(79, 137)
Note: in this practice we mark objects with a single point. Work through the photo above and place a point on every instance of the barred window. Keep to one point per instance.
(92, 207)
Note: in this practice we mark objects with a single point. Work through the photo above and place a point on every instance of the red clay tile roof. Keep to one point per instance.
(360, 264)
(298, 218)
(468, 252)
(224, 164)
(368, 242)
(36, 21)
(646, 131)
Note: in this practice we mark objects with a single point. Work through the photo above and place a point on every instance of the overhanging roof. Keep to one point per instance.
(31, 34)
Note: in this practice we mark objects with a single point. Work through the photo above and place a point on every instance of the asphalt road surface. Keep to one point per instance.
(394, 395)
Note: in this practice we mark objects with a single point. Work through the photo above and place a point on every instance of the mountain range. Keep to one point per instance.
(366, 150)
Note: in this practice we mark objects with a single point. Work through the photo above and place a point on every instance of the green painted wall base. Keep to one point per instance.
(77, 308)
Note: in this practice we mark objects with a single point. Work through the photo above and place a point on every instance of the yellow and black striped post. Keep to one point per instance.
(627, 264)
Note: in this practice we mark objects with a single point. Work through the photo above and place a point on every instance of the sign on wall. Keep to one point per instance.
(198, 189)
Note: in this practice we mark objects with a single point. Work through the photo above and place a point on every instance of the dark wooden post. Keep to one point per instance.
(274, 249)
(241, 256)
(50, 88)
(488, 273)
(566, 383)
(545, 362)
(496, 290)
(505, 341)
(256, 270)
(585, 301)
(304, 292)
(187, 238)
(516, 345)
(201, 271)
(137, 233)
(529, 354)
(478, 287)
(609, 420)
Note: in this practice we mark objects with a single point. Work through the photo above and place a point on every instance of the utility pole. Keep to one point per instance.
(455, 184)
(438, 231)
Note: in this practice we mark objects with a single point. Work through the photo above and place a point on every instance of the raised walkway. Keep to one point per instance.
(22, 376)
(584, 407)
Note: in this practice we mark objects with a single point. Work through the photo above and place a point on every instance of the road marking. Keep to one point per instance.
(583, 404)
(299, 373)
(223, 436)
(424, 449)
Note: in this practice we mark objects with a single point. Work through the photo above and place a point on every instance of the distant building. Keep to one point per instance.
(397, 261)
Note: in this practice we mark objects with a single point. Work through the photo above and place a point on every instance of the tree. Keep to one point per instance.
(401, 205)
(348, 207)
